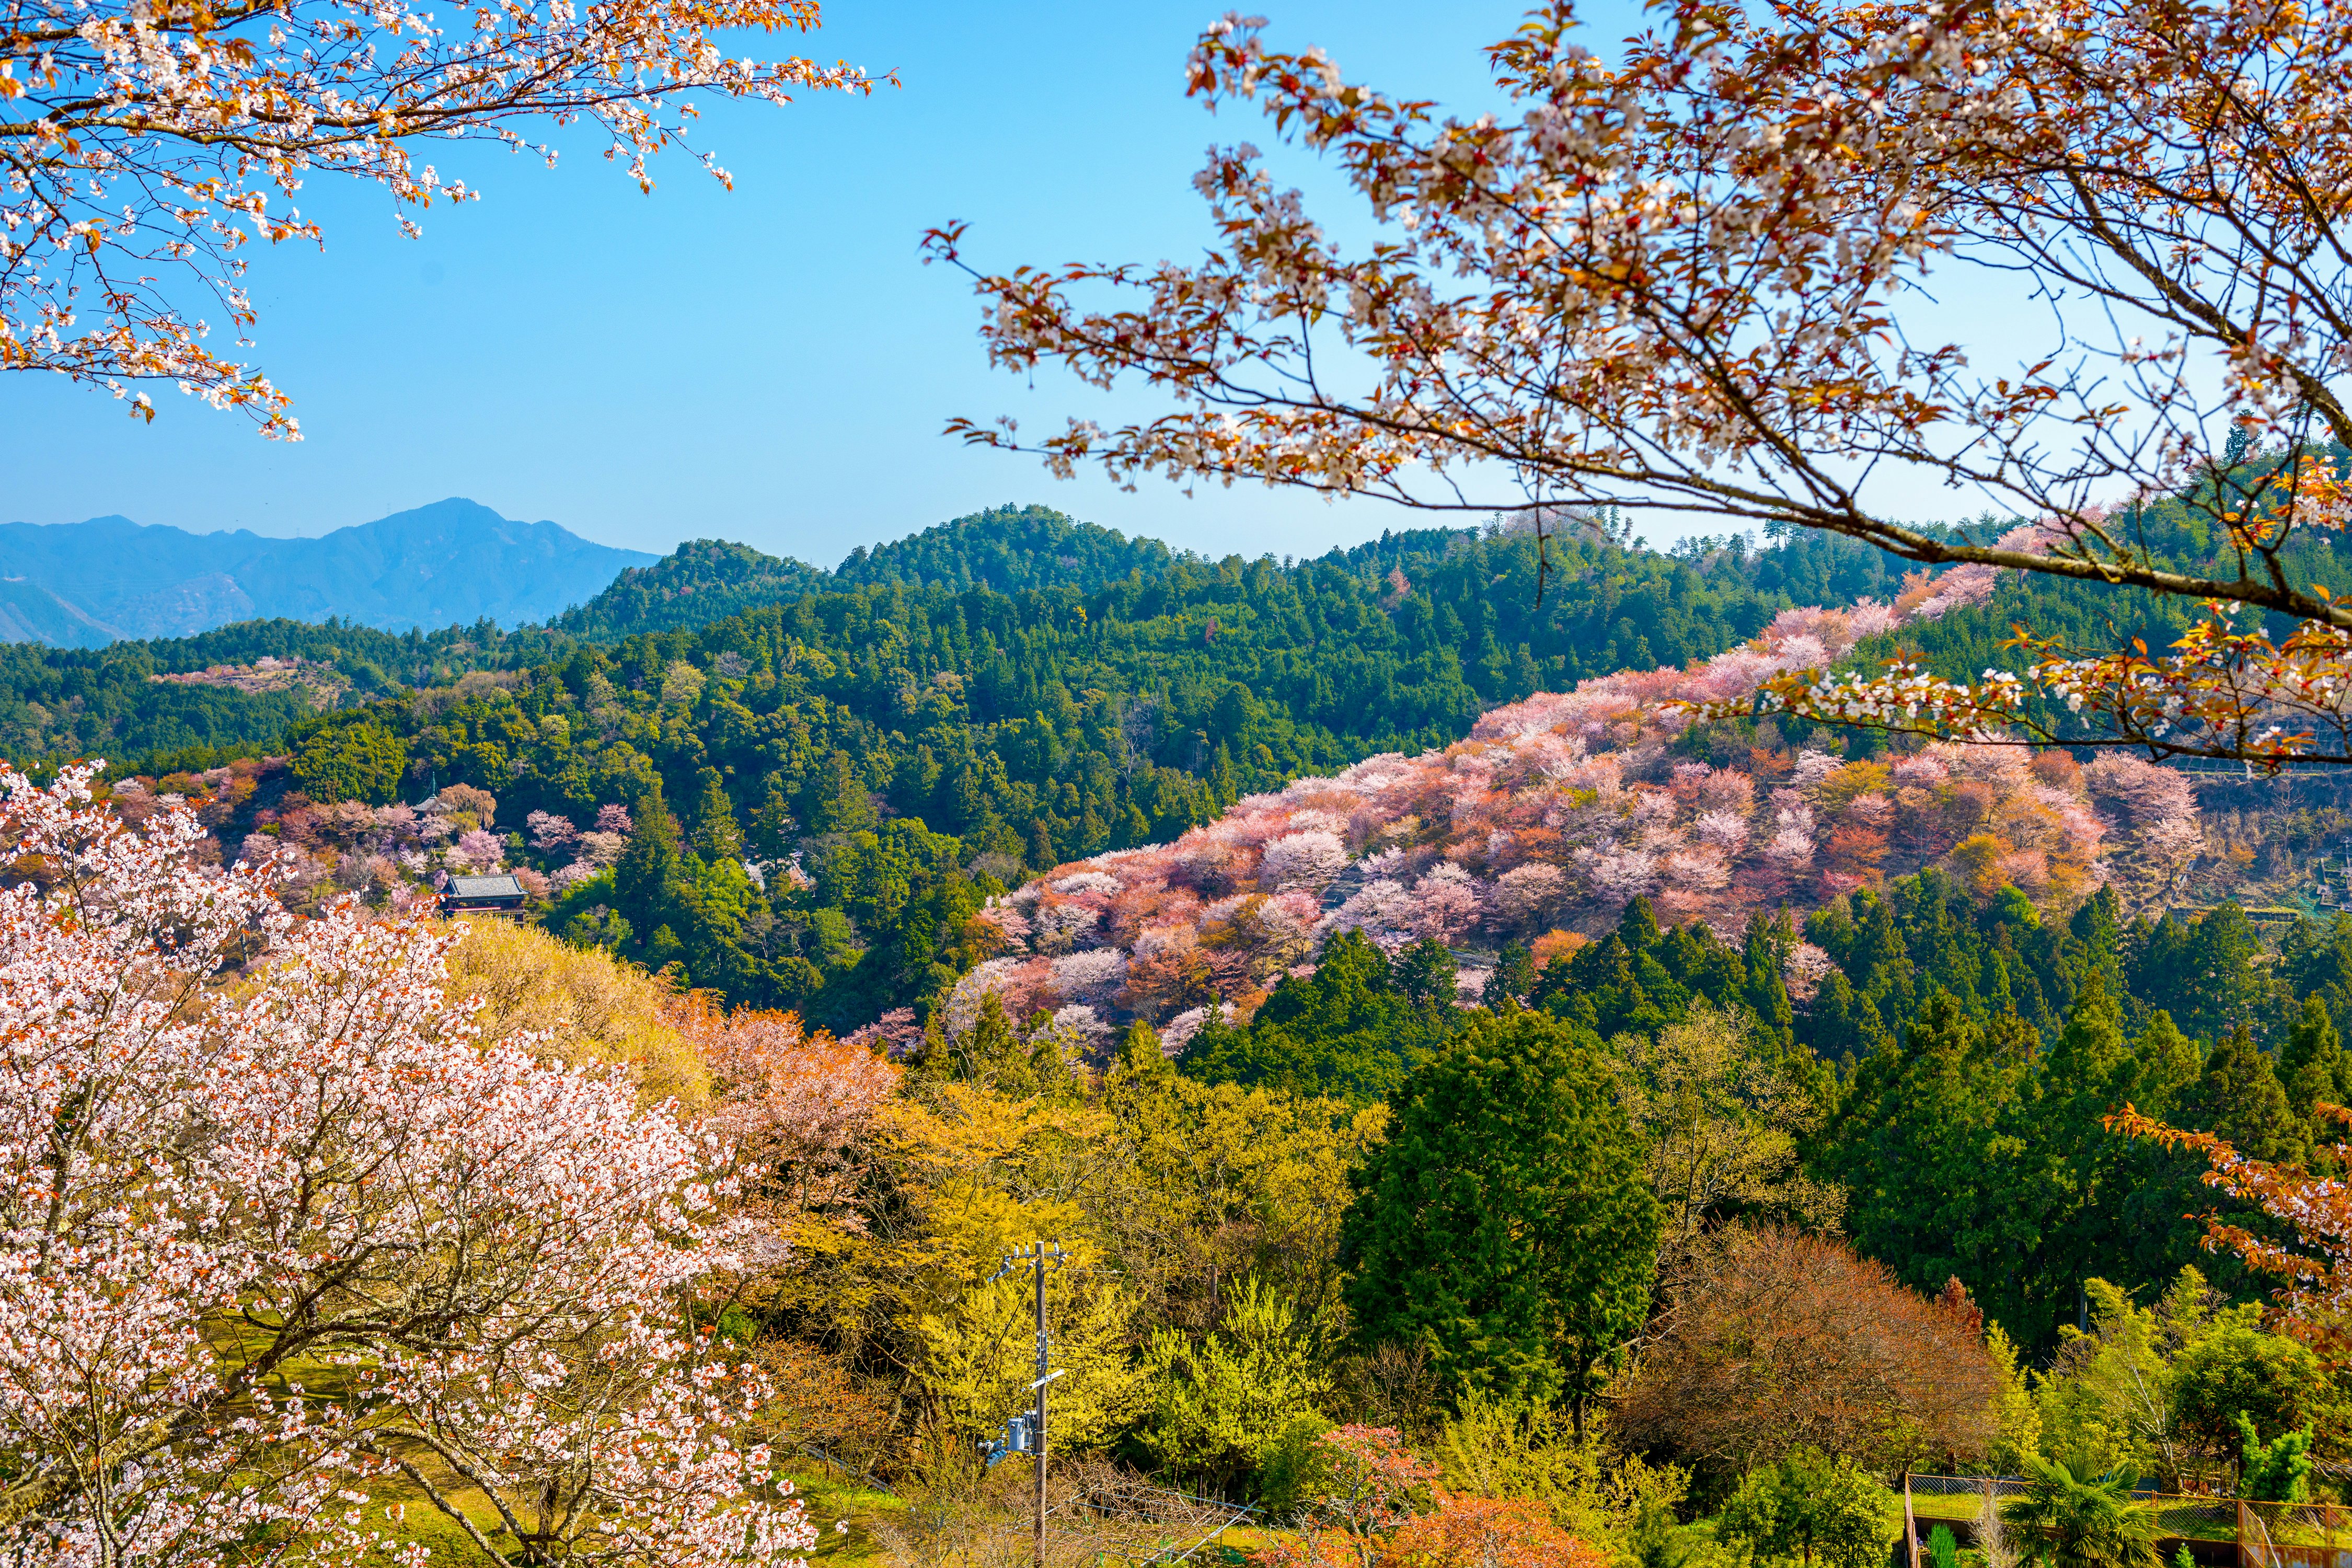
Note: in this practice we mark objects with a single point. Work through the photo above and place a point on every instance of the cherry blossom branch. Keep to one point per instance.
(1681, 282)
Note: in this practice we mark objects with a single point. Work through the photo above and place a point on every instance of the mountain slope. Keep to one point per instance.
(1006, 548)
(1556, 813)
(909, 744)
(30, 612)
(452, 563)
(701, 580)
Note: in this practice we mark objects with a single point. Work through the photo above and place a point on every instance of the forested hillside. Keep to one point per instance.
(1335, 873)
(95, 696)
(975, 735)
(58, 703)
(1007, 548)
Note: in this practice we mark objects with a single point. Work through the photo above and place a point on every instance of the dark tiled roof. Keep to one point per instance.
(484, 888)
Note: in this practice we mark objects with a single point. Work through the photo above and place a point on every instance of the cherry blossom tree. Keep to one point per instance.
(551, 834)
(147, 145)
(2313, 1268)
(276, 1226)
(793, 1105)
(1550, 819)
(1309, 859)
(476, 850)
(1687, 277)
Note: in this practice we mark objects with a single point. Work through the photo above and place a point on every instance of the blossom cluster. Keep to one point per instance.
(1698, 255)
(392, 852)
(323, 1165)
(153, 142)
(1550, 817)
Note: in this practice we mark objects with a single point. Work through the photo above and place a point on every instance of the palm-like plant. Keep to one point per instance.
(2070, 1521)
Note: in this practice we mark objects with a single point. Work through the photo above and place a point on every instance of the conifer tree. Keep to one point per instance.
(716, 837)
(845, 806)
(1945, 1180)
(1764, 950)
(1042, 854)
(2242, 1100)
(1514, 977)
(1425, 972)
(2149, 1234)
(772, 825)
(2098, 1229)
(1348, 1030)
(1507, 1225)
(651, 881)
(2312, 1066)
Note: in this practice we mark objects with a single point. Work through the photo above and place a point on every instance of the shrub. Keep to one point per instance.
(1808, 1506)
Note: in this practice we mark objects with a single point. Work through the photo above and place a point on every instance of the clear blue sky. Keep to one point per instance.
(771, 364)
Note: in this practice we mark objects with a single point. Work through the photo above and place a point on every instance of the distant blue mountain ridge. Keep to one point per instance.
(85, 584)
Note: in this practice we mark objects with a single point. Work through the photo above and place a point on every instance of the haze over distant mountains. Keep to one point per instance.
(85, 584)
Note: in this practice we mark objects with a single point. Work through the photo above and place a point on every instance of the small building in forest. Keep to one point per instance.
(499, 895)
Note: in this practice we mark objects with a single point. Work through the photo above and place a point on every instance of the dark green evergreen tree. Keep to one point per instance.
(1348, 1030)
(652, 884)
(843, 802)
(1425, 973)
(2313, 1070)
(716, 837)
(1945, 1178)
(2203, 974)
(773, 828)
(2090, 1072)
(1506, 1225)
(1514, 977)
(2241, 1098)
(1764, 953)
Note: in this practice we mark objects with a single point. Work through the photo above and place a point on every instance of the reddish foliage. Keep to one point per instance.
(1487, 1533)
(2315, 1305)
(793, 1105)
(1385, 1510)
(1774, 1340)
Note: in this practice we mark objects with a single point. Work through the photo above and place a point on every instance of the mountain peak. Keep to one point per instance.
(452, 562)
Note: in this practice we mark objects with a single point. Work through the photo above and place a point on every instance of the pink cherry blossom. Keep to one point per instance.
(476, 850)
(204, 1188)
(1558, 811)
(1302, 860)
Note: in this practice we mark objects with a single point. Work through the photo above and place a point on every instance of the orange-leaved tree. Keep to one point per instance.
(144, 143)
(1694, 278)
(1381, 1507)
(2315, 1303)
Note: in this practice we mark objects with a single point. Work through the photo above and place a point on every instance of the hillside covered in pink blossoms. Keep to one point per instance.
(1558, 811)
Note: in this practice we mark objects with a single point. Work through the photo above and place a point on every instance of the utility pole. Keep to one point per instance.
(1042, 1359)
(1036, 1258)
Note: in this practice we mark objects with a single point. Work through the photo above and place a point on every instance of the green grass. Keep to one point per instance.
(831, 1497)
(828, 1497)
(1944, 1509)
